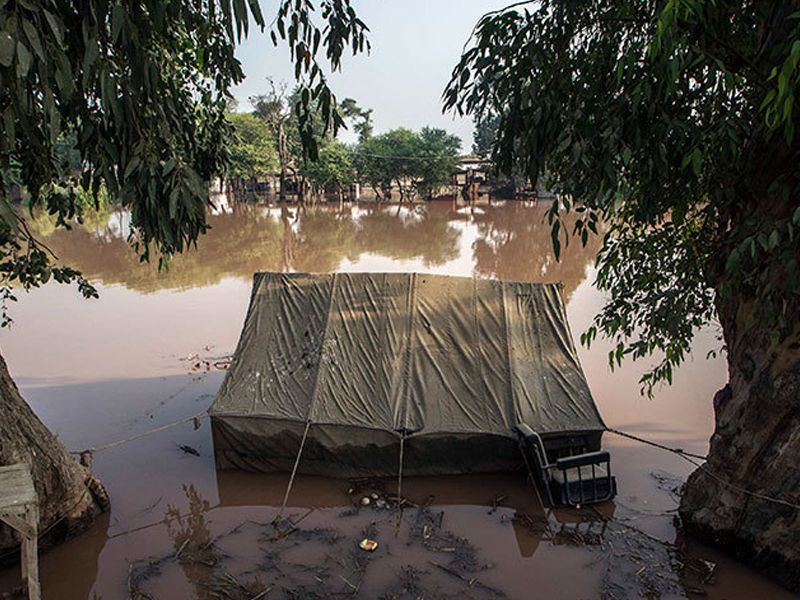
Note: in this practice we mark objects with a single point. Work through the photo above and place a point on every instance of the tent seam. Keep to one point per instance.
(322, 353)
(510, 381)
(412, 305)
(538, 340)
(476, 332)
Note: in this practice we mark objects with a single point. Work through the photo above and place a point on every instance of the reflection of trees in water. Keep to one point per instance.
(427, 235)
(238, 245)
(514, 243)
(324, 238)
(191, 539)
(254, 238)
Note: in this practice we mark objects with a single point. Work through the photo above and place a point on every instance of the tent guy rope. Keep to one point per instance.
(90, 452)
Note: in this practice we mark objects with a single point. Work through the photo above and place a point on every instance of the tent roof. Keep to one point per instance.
(414, 353)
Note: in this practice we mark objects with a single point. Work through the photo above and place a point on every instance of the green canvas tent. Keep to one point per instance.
(361, 370)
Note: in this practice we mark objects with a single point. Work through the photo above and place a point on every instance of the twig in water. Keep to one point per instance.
(128, 581)
(183, 546)
(355, 588)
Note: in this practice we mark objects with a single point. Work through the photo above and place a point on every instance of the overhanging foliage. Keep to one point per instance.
(675, 123)
(141, 87)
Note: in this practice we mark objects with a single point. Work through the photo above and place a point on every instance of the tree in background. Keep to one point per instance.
(143, 86)
(402, 148)
(275, 109)
(372, 166)
(361, 118)
(415, 163)
(252, 150)
(438, 152)
(333, 170)
(281, 111)
(675, 123)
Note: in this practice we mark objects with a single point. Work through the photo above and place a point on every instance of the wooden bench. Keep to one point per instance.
(19, 509)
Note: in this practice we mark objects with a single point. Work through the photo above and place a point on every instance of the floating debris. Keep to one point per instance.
(368, 545)
(188, 449)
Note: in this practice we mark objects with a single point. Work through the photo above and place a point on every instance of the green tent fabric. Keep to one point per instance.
(351, 363)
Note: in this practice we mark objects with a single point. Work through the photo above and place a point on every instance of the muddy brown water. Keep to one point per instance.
(99, 371)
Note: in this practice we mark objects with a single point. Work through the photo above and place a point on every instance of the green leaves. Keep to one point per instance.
(23, 60)
(8, 217)
(130, 97)
(252, 150)
(6, 49)
(118, 19)
(665, 125)
(333, 170)
(554, 235)
(33, 38)
(342, 29)
(56, 26)
(417, 163)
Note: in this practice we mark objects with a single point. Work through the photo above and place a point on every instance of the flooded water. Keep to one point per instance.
(144, 355)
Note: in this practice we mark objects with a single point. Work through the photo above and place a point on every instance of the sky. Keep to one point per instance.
(415, 45)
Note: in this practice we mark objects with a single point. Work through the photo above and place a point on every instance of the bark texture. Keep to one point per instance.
(70, 498)
(755, 446)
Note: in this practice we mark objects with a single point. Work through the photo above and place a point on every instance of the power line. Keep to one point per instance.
(388, 156)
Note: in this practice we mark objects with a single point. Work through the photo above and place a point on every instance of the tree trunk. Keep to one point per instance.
(70, 498)
(283, 157)
(756, 447)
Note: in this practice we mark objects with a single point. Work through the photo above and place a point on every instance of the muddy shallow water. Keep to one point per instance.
(105, 370)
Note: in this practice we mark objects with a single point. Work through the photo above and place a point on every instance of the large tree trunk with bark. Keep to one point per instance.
(70, 498)
(755, 447)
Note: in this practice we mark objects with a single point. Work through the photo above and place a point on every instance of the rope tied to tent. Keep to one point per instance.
(694, 458)
(400, 483)
(322, 360)
(400, 472)
(294, 470)
(678, 451)
(86, 457)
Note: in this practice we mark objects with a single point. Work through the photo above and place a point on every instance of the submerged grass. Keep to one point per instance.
(417, 556)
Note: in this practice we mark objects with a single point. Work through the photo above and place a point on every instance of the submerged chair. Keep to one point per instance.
(573, 479)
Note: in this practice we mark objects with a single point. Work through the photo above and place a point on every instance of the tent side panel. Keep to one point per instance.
(270, 445)
(446, 391)
(277, 361)
(550, 390)
(563, 362)
(457, 453)
(492, 355)
(255, 444)
(363, 351)
(294, 352)
(242, 383)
